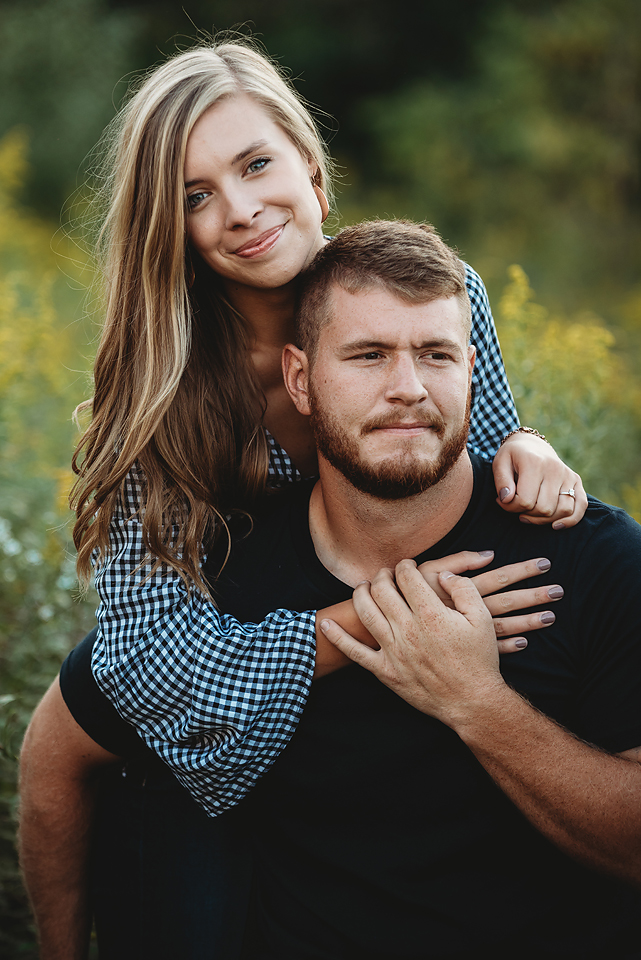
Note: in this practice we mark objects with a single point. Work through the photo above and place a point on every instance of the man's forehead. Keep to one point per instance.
(378, 313)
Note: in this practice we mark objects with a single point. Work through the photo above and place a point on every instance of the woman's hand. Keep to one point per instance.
(531, 479)
(507, 601)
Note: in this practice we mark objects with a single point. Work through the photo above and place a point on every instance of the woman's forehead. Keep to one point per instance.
(230, 130)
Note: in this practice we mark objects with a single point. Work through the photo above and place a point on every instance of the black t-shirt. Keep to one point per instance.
(377, 832)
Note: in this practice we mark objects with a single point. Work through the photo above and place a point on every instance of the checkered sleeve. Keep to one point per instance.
(493, 412)
(216, 699)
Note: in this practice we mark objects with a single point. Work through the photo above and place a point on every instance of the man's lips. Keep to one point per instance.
(404, 428)
(261, 244)
(407, 428)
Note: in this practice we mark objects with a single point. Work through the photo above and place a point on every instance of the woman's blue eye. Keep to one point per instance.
(195, 198)
(257, 165)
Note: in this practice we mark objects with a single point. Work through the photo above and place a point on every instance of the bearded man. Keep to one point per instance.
(436, 801)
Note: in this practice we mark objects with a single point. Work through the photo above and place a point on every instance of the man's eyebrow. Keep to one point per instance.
(356, 346)
(257, 145)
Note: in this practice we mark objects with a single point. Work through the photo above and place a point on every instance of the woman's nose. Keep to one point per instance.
(241, 206)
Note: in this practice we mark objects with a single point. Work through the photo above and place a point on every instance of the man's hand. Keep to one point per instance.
(531, 479)
(444, 662)
(508, 629)
(440, 660)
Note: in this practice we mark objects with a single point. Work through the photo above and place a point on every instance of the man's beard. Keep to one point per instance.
(403, 475)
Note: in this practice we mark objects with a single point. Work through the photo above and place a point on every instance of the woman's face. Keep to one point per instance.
(253, 213)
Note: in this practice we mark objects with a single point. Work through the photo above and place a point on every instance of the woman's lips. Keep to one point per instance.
(261, 244)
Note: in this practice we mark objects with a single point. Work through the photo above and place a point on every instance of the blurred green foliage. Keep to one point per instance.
(40, 615)
(515, 127)
(569, 380)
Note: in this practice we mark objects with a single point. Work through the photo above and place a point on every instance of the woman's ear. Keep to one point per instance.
(323, 202)
(295, 375)
(314, 175)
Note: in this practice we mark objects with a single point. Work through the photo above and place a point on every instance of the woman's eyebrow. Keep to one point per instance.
(257, 145)
(250, 149)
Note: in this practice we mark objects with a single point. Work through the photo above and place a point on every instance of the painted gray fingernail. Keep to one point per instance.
(547, 617)
(520, 643)
(503, 493)
(486, 553)
(555, 593)
(524, 519)
(543, 565)
(558, 525)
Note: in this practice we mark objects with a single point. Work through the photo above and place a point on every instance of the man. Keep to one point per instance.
(459, 819)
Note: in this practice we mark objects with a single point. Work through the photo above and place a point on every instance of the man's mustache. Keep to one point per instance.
(394, 420)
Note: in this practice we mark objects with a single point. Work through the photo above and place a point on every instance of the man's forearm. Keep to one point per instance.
(585, 801)
(444, 662)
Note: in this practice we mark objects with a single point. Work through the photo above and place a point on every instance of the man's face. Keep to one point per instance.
(389, 391)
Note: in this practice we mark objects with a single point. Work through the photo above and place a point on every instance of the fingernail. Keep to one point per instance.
(547, 617)
(325, 625)
(503, 493)
(558, 525)
(520, 643)
(486, 553)
(360, 582)
(555, 593)
(525, 519)
(446, 574)
(543, 565)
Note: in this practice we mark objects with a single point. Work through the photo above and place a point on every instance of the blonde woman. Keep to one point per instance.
(216, 192)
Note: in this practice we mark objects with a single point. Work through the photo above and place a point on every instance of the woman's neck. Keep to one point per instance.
(269, 315)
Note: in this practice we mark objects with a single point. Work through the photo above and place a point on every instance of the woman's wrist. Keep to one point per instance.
(529, 430)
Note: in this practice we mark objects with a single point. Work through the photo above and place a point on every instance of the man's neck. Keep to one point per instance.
(356, 534)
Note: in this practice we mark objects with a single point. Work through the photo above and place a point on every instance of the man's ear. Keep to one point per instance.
(471, 358)
(295, 375)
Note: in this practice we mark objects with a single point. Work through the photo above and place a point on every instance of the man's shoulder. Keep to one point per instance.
(601, 517)
(606, 539)
(255, 534)
(274, 508)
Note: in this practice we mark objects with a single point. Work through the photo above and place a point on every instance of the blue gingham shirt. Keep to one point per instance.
(216, 699)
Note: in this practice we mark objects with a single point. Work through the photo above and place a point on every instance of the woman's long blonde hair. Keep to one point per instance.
(174, 390)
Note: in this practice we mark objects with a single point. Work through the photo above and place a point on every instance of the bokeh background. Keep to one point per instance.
(515, 127)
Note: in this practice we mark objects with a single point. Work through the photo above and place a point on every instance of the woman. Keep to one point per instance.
(215, 204)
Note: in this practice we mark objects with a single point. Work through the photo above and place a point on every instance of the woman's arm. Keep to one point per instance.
(493, 413)
(216, 699)
(530, 478)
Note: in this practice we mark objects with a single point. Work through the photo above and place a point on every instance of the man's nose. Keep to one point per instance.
(406, 384)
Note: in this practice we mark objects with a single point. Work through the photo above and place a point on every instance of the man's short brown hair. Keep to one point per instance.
(408, 259)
